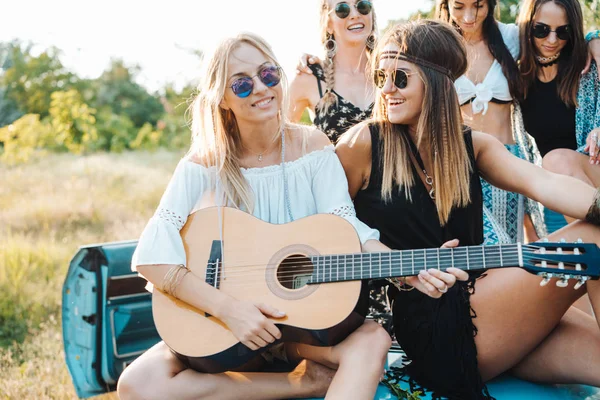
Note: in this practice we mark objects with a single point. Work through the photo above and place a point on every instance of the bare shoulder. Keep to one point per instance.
(308, 137)
(357, 138)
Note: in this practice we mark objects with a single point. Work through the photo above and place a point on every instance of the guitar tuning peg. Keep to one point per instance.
(579, 240)
(580, 282)
(562, 283)
(546, 279)
(545, 240)
(563, 240)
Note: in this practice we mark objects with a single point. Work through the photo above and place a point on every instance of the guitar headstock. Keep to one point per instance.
(565, 261)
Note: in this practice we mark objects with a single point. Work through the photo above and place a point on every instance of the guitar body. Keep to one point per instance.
(260, 263)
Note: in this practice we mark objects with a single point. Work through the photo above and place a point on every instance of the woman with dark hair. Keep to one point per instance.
(561, 108)
(488, 93)
(413, 172)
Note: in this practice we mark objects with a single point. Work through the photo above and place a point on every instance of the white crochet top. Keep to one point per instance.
(316, 181)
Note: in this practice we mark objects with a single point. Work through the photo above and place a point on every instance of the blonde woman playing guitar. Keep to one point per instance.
(244, 154)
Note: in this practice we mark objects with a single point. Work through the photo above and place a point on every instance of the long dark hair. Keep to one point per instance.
(573, 56)
(493, 38)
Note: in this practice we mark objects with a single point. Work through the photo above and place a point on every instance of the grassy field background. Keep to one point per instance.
(47, 210)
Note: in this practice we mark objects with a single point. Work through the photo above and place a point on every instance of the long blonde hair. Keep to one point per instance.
(440, 120)
(329, 98)
(216, 139)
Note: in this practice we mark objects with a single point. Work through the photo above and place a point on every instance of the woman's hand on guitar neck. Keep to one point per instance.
(434, 282)
(249, 323)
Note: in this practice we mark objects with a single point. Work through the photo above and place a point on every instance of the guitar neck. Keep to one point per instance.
(347, 267)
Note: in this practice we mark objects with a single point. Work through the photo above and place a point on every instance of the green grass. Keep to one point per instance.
(47, 210)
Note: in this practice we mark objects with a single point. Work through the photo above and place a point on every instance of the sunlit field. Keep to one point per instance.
(47, 209)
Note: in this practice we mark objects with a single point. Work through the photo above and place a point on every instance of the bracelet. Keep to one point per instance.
(592, 35)
(173, 278)
(400, 284)
(593, 214)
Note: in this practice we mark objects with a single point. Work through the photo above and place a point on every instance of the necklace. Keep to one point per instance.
(262, 153)
(547, 61)
(428, 178)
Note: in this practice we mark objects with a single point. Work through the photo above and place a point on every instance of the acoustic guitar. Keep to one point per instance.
(293, 267)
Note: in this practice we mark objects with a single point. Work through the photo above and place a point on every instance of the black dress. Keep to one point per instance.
(339, 117)
(437, 335)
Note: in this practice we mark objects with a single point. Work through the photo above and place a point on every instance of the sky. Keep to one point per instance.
(159, 36)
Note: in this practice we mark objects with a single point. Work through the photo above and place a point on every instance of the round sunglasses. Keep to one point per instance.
(269, 75)
(542, 31)
(342, 10)
(399, 77)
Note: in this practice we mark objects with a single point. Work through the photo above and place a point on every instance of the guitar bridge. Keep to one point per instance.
(214, 264)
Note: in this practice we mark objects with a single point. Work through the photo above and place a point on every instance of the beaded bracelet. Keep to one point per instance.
(592, 35)
(593, 214)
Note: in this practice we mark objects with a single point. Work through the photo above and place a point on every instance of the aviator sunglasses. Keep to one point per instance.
(342, 10)
(269, 75)
(542, 31)
(399, 77)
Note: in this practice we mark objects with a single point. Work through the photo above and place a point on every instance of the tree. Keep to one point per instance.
(30, 80)
(117, 90)
(73, 122)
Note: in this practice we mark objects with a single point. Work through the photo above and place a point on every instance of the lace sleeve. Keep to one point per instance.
(330, 189)
(160, 242)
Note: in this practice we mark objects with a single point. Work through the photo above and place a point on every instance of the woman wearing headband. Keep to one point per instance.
(246, 153)
(561, 107)
(413, 172)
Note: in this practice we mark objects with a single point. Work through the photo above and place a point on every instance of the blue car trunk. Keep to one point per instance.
(107, 323)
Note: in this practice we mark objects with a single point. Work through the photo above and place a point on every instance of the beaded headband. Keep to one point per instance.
(416, 60)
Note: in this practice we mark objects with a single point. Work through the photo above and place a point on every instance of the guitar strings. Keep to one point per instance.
(295, 269)
(290, 276)
(394, 258)
(444, 254)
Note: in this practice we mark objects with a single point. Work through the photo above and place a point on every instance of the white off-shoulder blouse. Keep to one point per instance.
(316, 183)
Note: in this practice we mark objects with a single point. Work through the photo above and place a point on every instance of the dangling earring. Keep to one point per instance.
(331, 47)
(371, 41)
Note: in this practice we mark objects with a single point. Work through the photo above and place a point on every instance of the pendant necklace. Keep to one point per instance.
(428, 179)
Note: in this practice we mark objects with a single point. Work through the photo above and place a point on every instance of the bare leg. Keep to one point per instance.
(571, 349)
(572, 163)
(583, 303)
(158, 374)
(515, 314)
(367, 347)
(530, 233)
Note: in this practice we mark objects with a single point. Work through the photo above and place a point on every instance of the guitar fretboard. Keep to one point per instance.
(345, 267)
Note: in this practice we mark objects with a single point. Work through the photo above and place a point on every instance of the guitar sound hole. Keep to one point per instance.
(295, 271)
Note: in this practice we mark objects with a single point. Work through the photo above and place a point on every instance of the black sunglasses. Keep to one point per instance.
(342, 10)
(542, 31)
(270, 75)
(399, 77)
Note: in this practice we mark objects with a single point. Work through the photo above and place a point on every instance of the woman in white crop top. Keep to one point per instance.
(278, 172)
(488, 93)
